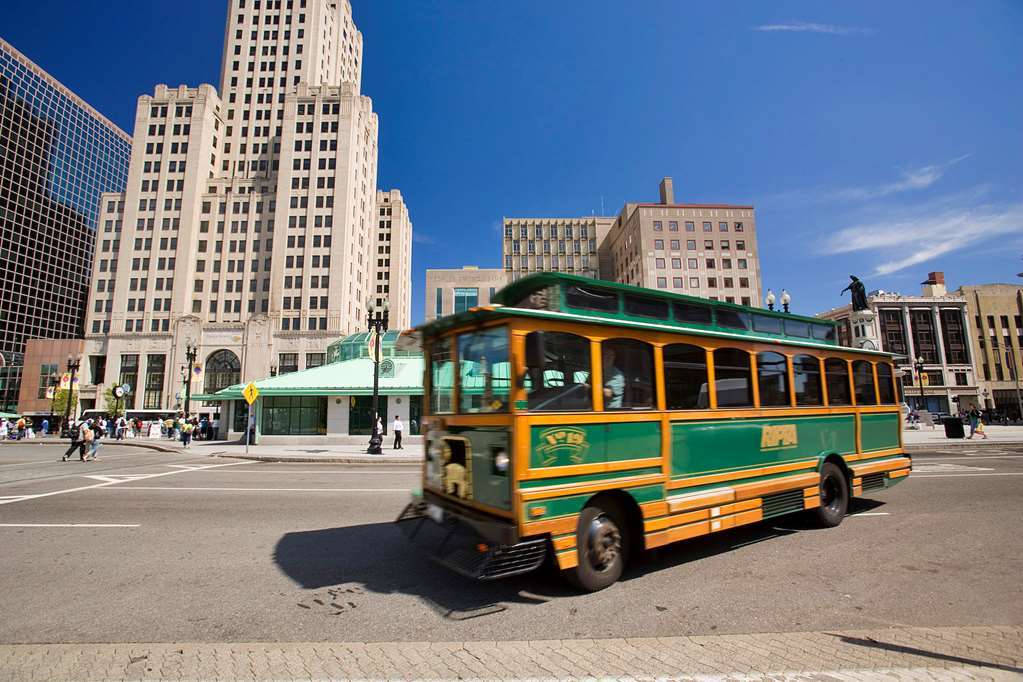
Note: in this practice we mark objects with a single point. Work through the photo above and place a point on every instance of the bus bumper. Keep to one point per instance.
(467, 545)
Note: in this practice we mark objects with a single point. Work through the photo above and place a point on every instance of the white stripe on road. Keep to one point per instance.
(69, 525)
(949, 459)
(263, 490)
(315, 471)
(1005, 473)
(110, 483)
(871, 514)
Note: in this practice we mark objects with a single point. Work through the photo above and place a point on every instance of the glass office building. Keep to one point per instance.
(57, 156)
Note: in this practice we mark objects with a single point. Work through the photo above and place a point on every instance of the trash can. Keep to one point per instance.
(953, 427)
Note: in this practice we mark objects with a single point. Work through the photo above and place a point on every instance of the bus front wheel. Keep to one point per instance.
(834, 496)
(602, 543)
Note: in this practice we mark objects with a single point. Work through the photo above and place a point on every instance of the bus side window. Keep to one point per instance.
(885, 386)
(557, 372)
(773, 379)
(685, 377)
(628, 374)
(806, 371)
(733, 379)
(863, 380)
(836, 372)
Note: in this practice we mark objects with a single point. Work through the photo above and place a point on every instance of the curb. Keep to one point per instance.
(332, 459)
(960, 443)
(105, 442)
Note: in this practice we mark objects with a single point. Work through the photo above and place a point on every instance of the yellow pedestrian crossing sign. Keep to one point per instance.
(250, 393)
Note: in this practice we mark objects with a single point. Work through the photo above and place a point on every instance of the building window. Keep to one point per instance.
(287, 363)
(156, 366)
(314, 359)
(954, 337)
(129, 375)
(440, 302)
(223, 369)
(49, 377)
(465, 298)
(892, 334)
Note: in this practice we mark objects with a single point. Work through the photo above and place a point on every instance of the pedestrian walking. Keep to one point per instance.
(398, 428)
(974, 418)
(88, 437)
(186, 433)
(21, 428)
(45, 426)
(98, 433)
(75, 431)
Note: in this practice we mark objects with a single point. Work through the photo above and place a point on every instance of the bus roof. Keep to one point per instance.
(554, 295)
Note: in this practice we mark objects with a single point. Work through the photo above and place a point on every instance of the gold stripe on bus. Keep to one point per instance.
(898, 474)
(811, 502)
(811, 492)
(596, 468)
(701, 499)
(873, 454)
(653, 509)
(748, 490)
(564, 542)
(886, 465)
(500, 419)
(614, 416)
(744, 473)
(567, 559)
(713, 525)
(562, 524)
(589, 486)
(708, 513)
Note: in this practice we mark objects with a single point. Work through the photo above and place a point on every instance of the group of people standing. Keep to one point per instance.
(188, 429)
(16, 429)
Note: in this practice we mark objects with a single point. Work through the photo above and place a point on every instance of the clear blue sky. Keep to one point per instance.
(883, 139)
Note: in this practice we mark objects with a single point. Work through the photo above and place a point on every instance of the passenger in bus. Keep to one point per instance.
(614, 382)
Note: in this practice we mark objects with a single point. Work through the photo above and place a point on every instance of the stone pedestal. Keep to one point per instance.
(864, 332)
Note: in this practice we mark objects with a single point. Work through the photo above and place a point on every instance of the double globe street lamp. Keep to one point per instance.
(376, 320)
(785, 300)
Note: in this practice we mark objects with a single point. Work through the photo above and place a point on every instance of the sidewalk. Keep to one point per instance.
(964, 653)
(926, 437)
(338, 453)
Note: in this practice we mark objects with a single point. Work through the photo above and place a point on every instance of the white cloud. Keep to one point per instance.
(423, 238)
(926, 234)
(909, 180)
(811, 27)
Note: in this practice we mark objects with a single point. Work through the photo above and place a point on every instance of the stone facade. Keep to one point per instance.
(249, 222)
(997, 343)
(451, 291)
(933, 326)
(707, 250)
(554, 245)
(393, 258)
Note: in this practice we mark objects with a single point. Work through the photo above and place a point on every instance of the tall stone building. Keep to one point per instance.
(997, 343)
(250, 213)
(554, 245)
(393, 258)
(57, 156)
(707, 250)
(450, 291)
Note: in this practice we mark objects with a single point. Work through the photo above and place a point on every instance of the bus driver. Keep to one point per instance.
(614, 382)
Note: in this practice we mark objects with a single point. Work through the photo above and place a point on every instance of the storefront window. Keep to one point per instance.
(294, 416)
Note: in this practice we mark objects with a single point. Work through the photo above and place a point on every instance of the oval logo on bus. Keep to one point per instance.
(561, 445)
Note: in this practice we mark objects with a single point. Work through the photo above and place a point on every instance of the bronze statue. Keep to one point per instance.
(859, 293)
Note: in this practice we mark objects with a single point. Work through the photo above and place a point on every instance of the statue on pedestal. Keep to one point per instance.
(859, 293)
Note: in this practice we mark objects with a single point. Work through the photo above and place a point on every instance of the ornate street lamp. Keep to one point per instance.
(769, 300)
(376, 320)
(191, 352)
(72, 368)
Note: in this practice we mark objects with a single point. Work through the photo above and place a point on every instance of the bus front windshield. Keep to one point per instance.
(484, 371)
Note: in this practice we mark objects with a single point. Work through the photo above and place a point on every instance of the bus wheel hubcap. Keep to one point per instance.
(605, 543)
(831, 494)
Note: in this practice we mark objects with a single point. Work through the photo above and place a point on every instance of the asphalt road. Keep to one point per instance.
(155, 547)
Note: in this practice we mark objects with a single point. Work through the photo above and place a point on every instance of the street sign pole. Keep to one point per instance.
(250, 393)
(248, 429)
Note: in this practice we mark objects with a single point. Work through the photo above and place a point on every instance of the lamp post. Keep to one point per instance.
(919, 366)
(376, 320)
(191, 351)
(273, 370)
(785, 300)
(72, 368)
(54, 380)
(769, 300)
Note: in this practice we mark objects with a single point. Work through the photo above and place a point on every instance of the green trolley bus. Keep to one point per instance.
(585, 421)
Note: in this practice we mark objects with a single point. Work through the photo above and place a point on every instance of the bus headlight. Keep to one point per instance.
(501, 461)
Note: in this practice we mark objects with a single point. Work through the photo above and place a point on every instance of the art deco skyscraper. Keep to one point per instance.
(249, 218)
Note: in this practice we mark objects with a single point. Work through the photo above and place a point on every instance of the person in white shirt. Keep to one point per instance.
(398, 429)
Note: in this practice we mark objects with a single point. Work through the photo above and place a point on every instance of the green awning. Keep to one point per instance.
(398, 376)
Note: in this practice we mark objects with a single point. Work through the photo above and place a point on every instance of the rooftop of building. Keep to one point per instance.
(63, 89)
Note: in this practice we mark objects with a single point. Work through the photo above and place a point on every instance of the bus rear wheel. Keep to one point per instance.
(834, 496)
(602, 543)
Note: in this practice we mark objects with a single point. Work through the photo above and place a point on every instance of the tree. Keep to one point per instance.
(112, 404)
(60, 401)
